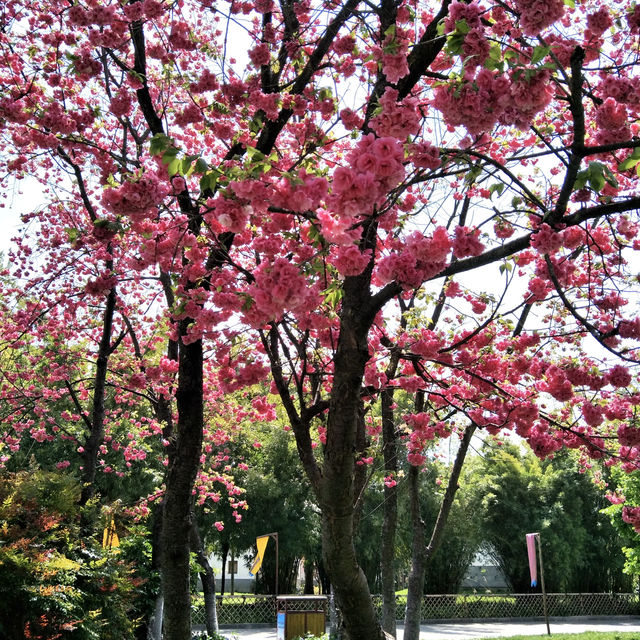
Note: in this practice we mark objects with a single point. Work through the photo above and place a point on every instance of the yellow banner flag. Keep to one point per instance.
(261, 543)
(110, 538)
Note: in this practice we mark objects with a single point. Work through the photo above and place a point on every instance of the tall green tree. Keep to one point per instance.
(521, 494)
(279, 501)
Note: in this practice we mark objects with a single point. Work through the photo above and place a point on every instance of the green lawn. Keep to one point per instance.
(587, 635)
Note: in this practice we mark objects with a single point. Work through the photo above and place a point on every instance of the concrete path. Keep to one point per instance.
(491, 629)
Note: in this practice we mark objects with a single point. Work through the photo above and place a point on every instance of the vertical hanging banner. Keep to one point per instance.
(261, 543)
(533, 564)
(532, 539)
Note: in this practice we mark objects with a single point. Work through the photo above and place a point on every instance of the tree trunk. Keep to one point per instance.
(390, 516)
(154, 627)
(183, 467)
(351, 588)
(416, 575)
(420, 556)
(336, 491)
(223, 558)
(154, 631)
(308, 577)
(233, 573)
(208, 580)
(323, 578)
(96, 434)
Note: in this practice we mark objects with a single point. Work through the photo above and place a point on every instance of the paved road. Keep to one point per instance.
(472, 630)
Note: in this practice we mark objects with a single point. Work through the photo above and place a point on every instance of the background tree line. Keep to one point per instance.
(505, 491)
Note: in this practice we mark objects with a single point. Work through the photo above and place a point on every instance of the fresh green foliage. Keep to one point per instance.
(627, 485)
(521, 494)
(280, 501)
(57, 581)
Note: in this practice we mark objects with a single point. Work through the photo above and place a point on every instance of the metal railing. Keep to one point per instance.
(250, 609)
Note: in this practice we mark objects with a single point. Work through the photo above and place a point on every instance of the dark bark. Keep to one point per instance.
(96, 435)
(420, 555)
(233, 573)
(337, 486)
(208, 579)
(308, 577)
(183, 467)
(323, 577)
(154, 628)
(418, 561)
(390, 516)
(224, 556)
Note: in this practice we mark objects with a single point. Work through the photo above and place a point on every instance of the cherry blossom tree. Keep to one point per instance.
(292, 188)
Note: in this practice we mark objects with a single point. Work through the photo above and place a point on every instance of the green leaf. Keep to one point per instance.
(595, 175)
(159, 143)
(540, 52)
(72, 234)
(570, 3)
(610, 178)
(473, 174)
(454, 44)
(495, 52)
(581, 180)
(201, 165)
(170, 155)
(462, 27)
(247, 301)
(208, 182)
(597, 182)
(333, 296)
(630, 161)
(173, 167)
(254, 154)
(497, 188)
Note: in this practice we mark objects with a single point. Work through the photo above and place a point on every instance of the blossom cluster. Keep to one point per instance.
(466, 242)
(394, 55)
(631, 515)
(628, 435)
(375, 166)
(279, 287)
(397, 119)
(475, 47)
(419, 258)
(137, 198)
(423, 431)
(612, 121)
(542, 442)
(481, 101)
(230, 213)
(305, 193)
(349, 260)
(537, 15)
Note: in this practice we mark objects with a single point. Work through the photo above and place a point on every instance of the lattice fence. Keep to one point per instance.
(232, 610)
(251, 609)
(523, 605)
